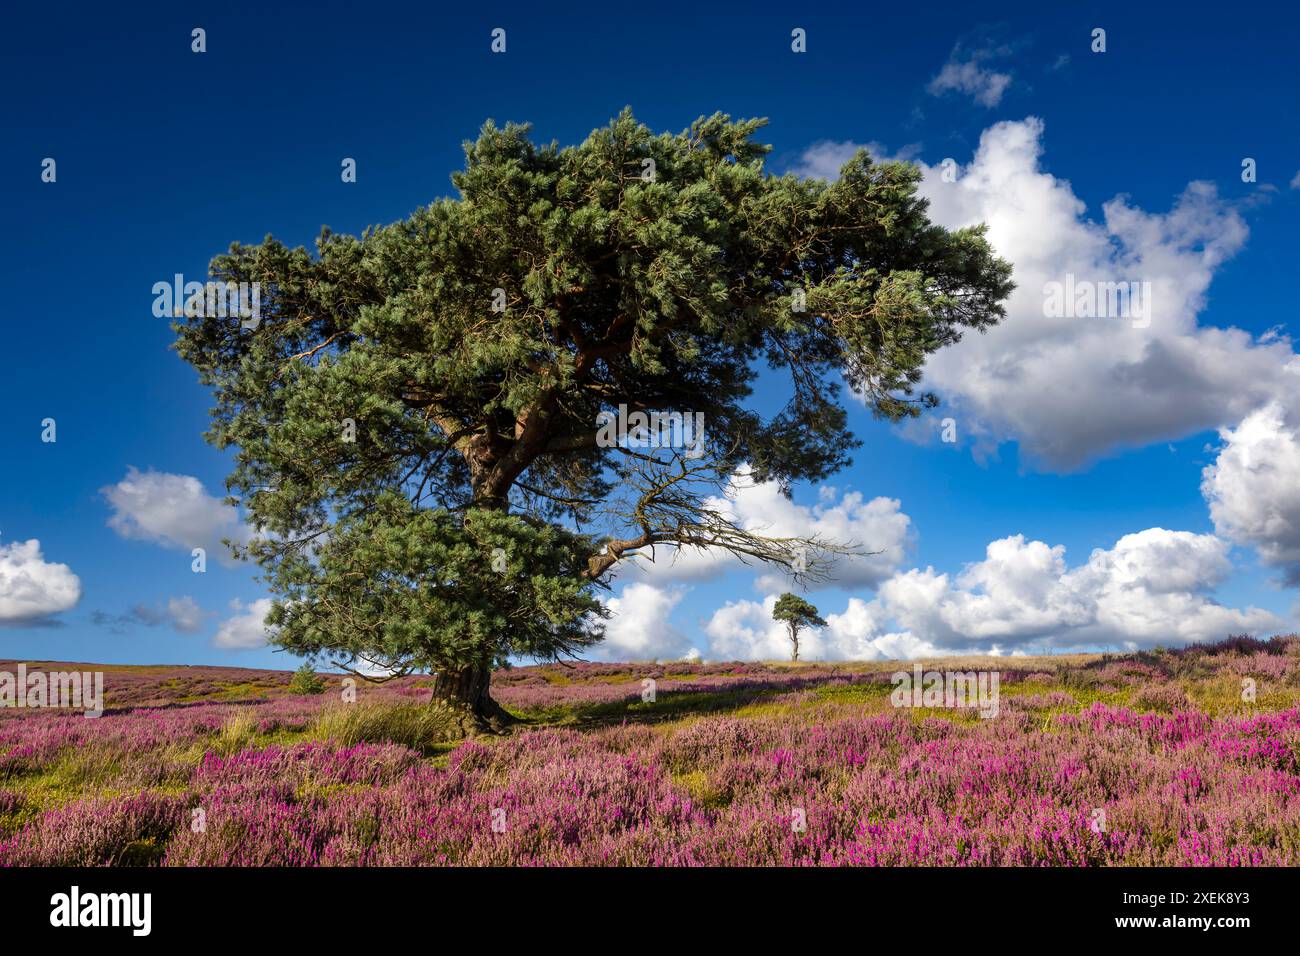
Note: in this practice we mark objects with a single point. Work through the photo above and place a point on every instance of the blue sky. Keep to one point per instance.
(1071, 437)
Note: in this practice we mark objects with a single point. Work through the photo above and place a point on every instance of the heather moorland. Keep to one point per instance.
(1153, 758)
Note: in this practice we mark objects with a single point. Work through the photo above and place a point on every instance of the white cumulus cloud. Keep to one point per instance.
(1253, 488)
(1072, 389)
(246, 629)
(171, 510)
(185, 615)
(1151, 588)
(638, 628)
(32, 588)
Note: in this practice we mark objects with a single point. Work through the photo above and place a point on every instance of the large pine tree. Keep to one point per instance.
(415, 417)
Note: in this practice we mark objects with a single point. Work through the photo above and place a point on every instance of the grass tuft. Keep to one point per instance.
(416, 725)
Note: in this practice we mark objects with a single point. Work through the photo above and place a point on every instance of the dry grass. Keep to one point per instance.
(416, 725)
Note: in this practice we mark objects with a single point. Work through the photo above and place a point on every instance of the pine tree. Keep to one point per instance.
(414, 417)
(797, 614)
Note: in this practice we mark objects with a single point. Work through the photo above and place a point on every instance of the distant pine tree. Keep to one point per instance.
(797, 614)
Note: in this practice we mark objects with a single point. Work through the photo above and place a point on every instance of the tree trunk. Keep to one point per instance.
(465, 692)
(794, 639)
(464, 689)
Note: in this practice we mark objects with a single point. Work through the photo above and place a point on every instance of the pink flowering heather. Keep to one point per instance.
(1155, 759)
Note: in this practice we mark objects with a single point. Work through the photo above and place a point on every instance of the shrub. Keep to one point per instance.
(306, 681)
(1161, 699)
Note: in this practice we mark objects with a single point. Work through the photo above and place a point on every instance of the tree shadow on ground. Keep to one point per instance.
(680, 702)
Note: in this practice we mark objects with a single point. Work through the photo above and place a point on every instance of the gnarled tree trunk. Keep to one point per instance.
(464, 689)
(465, 692)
